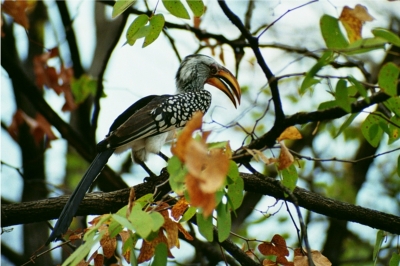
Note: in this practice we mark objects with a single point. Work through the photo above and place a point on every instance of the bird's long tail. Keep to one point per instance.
(77, 196)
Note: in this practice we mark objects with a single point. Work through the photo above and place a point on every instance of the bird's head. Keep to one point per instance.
(197, 70)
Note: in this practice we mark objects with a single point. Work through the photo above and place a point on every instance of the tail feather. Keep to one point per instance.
(77, 196)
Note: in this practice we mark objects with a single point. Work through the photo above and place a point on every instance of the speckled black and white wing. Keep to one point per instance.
(154, 115)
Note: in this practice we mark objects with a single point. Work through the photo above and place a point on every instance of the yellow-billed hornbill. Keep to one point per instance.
(148, 123)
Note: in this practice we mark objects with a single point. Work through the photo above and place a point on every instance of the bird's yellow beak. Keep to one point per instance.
(226, 82)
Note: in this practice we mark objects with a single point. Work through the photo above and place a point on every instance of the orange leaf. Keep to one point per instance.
(198, 198)
(184, 232)
(290, 133)
(179, 149)
(280, 245)
(353, 19)
(285, 158)
(17, 10)
(179, 208)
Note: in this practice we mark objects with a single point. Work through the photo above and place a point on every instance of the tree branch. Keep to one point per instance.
(100, 203)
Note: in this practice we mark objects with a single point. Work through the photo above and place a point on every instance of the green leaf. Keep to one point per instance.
(144, 200)
(176, 8)
(387, 35)
(235, 193)
(205, 226)
(217, 145)
(364, 46)
(394, 105)
(331, 33)
(83, 87)
(158, 221)
(346, 124)
(156, 25)
(224, 222)
(120, 6)
(160, 255)
(289, 177)
(394, 131)
(387, 78)
(141, 221)
(123, 221)
(327, 105)
(360, 88)
(197, 7)
(114, 228)
(309, 79)
(137, 29)
(341, 95)
(233, 172)
(80, 253)
(177, 174)
(189, 213)
(380, 235)
(395, 260)
(371, 130)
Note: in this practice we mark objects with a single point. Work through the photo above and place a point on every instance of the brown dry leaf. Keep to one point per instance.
(39, 127)
(286, 159)
(60, 81)
(99, 260)
(276, 247)
(353, 19)
(125, 236)
(170, 226)
(280, 244)
(131, 201)
(290, 133)
(17, 10)
(198, 198)
(258, 155)
(250, 253)
(317, 257)
(179, 208)
(148, 248)
(184, 232)
(107, 243)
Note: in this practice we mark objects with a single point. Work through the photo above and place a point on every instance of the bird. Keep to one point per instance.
(151, 121)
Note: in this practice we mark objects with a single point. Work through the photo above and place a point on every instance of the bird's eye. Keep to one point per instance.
(213, 69)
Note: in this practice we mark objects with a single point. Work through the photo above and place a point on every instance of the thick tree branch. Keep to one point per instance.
(99, 203)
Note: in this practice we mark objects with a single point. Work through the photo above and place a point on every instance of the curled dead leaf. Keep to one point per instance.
(353, 19)
(291, 133)
(286, 159)
(301, 259)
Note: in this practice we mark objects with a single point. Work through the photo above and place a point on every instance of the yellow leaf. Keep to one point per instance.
(290, 133)
(353, 19)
